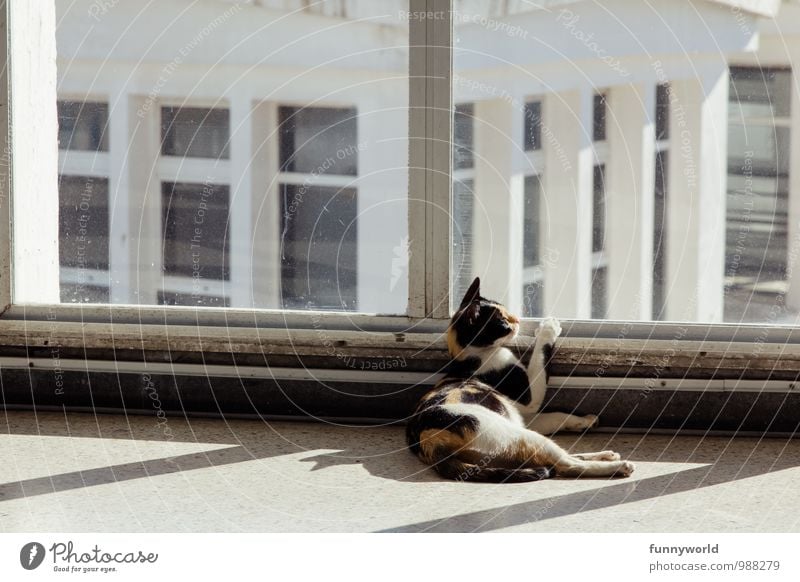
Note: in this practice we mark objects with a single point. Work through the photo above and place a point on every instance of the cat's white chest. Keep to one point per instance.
(498, 359)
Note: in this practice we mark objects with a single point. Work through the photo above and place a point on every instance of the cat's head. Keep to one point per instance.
(480, 323)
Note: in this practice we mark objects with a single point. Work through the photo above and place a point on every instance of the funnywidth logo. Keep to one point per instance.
(31, 555)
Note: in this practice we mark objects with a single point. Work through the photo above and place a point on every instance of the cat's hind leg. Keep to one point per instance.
(598, 456)
(501, 439)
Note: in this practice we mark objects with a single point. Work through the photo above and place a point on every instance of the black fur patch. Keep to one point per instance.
(547, 353)
(511, 381)
(480, 324)
(438, 418)
(465, 368)
(486, 398)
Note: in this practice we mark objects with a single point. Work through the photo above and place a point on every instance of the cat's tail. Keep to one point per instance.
(450, 466)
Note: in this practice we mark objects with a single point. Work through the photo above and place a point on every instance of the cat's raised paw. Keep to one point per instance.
(549, 329)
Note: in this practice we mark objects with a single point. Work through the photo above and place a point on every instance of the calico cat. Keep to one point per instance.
(473, 425)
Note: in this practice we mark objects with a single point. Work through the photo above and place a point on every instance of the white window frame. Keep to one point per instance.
(31, 63)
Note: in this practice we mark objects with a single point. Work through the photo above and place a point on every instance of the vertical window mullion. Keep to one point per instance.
(33, 166)
(5, 162)
(430, 157)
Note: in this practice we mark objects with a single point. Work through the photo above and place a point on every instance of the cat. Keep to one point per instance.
(473, 426)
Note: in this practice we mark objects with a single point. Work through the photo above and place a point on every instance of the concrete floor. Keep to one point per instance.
(85, 473)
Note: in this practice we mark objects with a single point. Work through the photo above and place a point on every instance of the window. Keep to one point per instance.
(599, 261)
(757, 247)
(659, 235)
(533, 125)
(83, 214)
(533, 278)
(319, 236)
(195, 132)
(83, 223)
(83, 126)
(463, 219)
(340, 183)
(599, 118)
(319, 140)
(662, 111)
(195, 230)
(301, 181)
(319, 248)
(463, 136)
(463, 214)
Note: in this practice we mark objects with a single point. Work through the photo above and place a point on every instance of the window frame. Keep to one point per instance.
(160, 328)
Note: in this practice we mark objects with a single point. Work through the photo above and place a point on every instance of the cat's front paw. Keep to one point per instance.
(549, 329)
(580, 423)
(587, 422)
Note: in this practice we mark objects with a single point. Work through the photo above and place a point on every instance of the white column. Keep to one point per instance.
(499, 196)
(630, 191)
(134, 243)
(266, 220)
(696, 197)
(382, 219)
(567, 204)
(34, 159)
(240, 228)
(793, 250)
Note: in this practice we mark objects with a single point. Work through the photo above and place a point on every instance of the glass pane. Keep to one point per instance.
(195, 132)
(615, 184)
(83, 126)
(83, 233)
(533, 192)
(463, 130)
(533, 125)
(599, 118)
(319, 248)
(195, 230)
(259, 156)
(599, 291)
(463, 216)
(319, 140)
(598, 208)
(759, 92)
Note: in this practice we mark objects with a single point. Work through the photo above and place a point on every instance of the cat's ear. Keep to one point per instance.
(472, 294)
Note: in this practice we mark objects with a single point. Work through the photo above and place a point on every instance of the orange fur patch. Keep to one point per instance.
(432, 439)
(453, 346)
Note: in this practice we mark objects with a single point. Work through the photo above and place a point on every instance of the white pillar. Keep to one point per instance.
(382, 219)
(34, 159)
(696, 197)
(266, 205)
(567, 204)
(134, 243)
(630, 181)
(793, 250)
(240, 228)
(499, 198)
